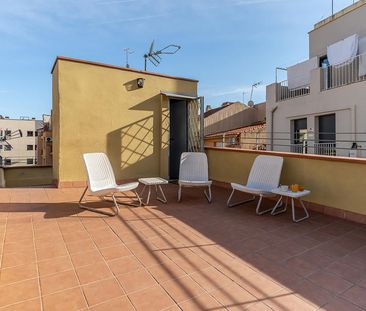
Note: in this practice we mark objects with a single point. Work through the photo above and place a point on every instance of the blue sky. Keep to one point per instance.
(226, 44)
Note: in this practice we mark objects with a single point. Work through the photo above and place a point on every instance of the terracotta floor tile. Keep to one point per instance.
(347, 272)
(338, 304)
(18, 292)
(234, 297)
(330, 282)
(17, 259)
(51, 252)
(102, 291)
(124, 265)
(149, 259)
(117, 304)
(54, 265)
(136, 280)
(357, 295)
(211, 279)
(86, 258)
(115, 251)
(288, 301)
(166, 271)
(29, 305)
(80, 246)
(95, 272)
(152, 299)
(18, 273)
(57, 282)
(202, 302)
(70, 300)
(182, 289)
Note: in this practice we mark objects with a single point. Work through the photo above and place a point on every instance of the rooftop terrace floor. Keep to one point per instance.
(179, 256)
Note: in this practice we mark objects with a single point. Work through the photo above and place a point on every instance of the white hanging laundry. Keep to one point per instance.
(362, 53)
(343, 51)
(299, 74)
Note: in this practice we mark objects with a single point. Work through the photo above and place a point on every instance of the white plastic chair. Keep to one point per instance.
(193, 172)
(102, 182)
(263, 178)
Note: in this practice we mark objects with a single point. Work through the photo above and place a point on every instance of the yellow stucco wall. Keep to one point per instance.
(338, 184)
(28, 176)
(101, 109)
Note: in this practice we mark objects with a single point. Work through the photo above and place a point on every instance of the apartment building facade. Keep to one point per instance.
(18, 141)
(44, 150)
(320, 109)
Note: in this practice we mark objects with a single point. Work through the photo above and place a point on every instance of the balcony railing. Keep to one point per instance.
(349, 72)
(328, 149)
(284, 93)
(343, 144)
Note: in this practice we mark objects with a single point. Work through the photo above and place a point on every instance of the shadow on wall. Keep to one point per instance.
(135, 149)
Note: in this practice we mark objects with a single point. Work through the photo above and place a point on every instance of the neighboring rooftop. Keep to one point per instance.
(339, 14)
(246, 129)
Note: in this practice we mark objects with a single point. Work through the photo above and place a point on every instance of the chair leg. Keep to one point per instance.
(138, 201)
(237, 203)
(179, 193)
(115, 212)
(261, 212)
(208, 195)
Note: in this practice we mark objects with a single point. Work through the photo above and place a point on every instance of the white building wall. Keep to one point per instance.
(347, 102)
(19, 153)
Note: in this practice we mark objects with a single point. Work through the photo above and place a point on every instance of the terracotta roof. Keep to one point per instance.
(117, 67)
(237, 131)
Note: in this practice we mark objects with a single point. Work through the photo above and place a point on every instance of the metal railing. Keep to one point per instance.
(284, 93)
(328, 149)
(348, 72)
(343, 144)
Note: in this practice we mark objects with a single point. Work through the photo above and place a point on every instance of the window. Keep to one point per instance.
(29, 133)
(35, 147)
(7, 161)
(36, 133)
(7, 147)
(1, 147)
(299, 139)
(29, 147)
(29, 161)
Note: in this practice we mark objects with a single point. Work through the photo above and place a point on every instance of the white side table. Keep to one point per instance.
(153, 181)
(293, 195)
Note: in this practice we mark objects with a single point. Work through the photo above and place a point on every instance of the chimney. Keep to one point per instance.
(208, 108)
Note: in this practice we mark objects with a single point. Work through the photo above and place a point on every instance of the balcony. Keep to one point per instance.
(284, 93)
(164, 257)
(346, 73)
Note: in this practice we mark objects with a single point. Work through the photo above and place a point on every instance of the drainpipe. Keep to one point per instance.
(272, 114)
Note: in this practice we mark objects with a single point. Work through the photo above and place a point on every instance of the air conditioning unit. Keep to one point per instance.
(48, 139)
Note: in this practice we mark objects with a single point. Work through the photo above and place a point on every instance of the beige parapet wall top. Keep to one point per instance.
(99, 108)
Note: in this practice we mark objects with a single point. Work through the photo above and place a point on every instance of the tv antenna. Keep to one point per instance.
(9, 136)
(154, 56)
(254, 85)
(128, 51)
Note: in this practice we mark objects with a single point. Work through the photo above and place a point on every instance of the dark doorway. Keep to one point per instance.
(178, 135)
(327, 129)
(299, 140)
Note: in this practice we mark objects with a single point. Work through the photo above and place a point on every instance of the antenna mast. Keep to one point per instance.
(154, 56)
(128, 51)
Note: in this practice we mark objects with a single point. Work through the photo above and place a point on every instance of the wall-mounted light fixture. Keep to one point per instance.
(140, 82)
